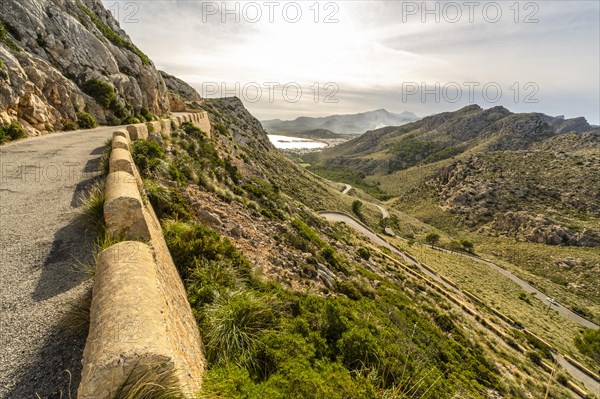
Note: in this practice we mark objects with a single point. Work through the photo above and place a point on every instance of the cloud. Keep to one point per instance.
(372, 50)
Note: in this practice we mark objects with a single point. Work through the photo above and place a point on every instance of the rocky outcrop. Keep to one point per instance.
(539, 229)
(523, 195)
(182, 96)
(52, 47)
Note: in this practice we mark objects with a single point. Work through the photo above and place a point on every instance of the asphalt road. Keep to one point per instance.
(41, 241)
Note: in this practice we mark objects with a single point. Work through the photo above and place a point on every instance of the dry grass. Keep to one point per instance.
(76, 319)
(501, 293)
(150, 382)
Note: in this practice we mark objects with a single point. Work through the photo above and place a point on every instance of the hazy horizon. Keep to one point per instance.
(399, 56)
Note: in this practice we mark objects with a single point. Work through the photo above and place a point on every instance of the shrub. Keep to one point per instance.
(357, 209)
(11, 131)
(131, 120)
(93, 206)
(562, 379)
(535, 357)
(167, 202)
(467, 245)
(219, 127)
(308, 233)
(364, 253)
(209, 279)
(147, 155)
(113, 121)
(524, 297)
(7, 40)
(69, 125)
(232, 327)
(358, 348)
(191, 242)
(100, 91)
(113, 36)
(86, 121)
(432, 239)
(193, 130)
(347, 288)
(589, 343)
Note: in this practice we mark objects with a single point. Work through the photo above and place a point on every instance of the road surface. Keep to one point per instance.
(41, 241)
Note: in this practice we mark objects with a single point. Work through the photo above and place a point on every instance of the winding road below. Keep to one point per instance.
(589, 382)
(41, 240)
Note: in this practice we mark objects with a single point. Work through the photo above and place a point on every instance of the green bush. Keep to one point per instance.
(364, 253)
(467, 245)
(113, 121)
(100, 91)
(191, 242)
(7, 40)
(131, 120)
(232, 326)
(432, 239)
(193, 130)
(219, 127)
(357, 209)
(86, 121)
(535, 357)
(358, 348)
(11, 131)
(589, 343)
(147, 155)
(347, 288)
(331, 256)
(307, 232)
(69, 125)
(211, 279)
(167, 202)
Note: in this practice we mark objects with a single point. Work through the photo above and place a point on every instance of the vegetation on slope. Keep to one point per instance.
(11, 131)
(522, 189)
(348, 323)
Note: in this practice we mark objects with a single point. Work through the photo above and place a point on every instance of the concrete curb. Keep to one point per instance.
(126, 334)
(123, 207)
(138, 132)
(120, 160)
(119, 141)
(140, 318)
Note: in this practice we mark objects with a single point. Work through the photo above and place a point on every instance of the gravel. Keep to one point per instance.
(41, 241)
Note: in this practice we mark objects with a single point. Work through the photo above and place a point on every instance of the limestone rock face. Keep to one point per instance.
(64, 43)
(182, 96)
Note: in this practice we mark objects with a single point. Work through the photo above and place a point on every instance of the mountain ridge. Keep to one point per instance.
(340, 123)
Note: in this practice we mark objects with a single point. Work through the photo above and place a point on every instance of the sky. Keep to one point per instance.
(315, 58)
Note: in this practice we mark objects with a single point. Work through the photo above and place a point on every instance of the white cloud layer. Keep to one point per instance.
(376, 49)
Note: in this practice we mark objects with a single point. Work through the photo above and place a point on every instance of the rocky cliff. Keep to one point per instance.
(62, 57)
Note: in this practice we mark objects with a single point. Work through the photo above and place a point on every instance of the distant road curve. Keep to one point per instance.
(333, 216)
(561, 310)
(578, 374)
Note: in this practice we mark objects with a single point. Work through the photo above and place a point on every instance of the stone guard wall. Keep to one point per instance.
(140, 318)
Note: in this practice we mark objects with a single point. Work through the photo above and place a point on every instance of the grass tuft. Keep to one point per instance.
(233, 325)
(92, 209)
(150, 382)
(76, 320)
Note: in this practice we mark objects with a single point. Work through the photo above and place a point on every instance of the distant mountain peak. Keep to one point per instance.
(341, 124)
